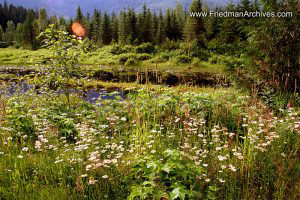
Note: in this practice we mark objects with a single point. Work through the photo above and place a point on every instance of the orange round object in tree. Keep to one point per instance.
(78, 30)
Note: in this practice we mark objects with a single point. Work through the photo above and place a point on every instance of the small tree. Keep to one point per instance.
(62, 65)
(10, 32)
(1, 33)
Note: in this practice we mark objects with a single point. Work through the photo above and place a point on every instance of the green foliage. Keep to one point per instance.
(9, 35)
(20, 120)
(169, 176)
(1, 33)
(183, 59)
(62, 65)
(79, 16)
(145, 48)
(144, 56)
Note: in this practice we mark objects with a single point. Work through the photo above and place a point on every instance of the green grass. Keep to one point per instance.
(222, 144)
(104, 59)
(19, 57)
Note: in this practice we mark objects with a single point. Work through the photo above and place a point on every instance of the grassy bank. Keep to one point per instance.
(106, 58)
(172, 143)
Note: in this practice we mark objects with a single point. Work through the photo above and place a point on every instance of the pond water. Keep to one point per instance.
(90, 95)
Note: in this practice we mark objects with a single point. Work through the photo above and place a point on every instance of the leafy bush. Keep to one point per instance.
(170, 45)
(145, 48)
(170, 177)
(131, 61)
(123, 58)
(144, 56)
(117, 49)
(20, 119)
(183, 59)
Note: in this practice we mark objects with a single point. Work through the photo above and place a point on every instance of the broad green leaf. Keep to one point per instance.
(178, 193)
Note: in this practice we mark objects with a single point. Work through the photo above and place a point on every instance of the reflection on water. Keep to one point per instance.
(91, 95)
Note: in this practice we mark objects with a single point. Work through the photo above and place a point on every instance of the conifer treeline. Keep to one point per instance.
(127, 27)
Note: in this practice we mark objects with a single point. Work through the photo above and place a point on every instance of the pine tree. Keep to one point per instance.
(179, 20)
(142, 24)
(43, 19)
(29, 29)
(122, 30)
(69, 26)
(88, 24)
(97, 28)
(62, 24)
(256, 5)
(168, 24)
(79, 16)
(106, 29)
(5, 14)
(131, 23)
(114, 27)
(245, 5)
(10, 32)
(194, 27)
(230, 28)
(20, 34)
(1, 33)
(160, 33)
(54, 21)
(175, 26)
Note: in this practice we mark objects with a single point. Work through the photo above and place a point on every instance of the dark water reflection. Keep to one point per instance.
(90, 95)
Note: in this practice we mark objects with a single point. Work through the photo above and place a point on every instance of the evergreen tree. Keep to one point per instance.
(1, 33)
(160, 33)
(69, 26)
(79, 16)
(131, 23)
(62, 24)
(9, 35)
(114, 27)
(106, 29)
(194, 27)
(88, 24)
(245, 5)
(29, 28)
(20, 34)
(256, 5)
(43, 19)
(122, 31)
(54, 21)
(230, 27)
(5, 14)
(179, 13)
(168, 24)
(1, 16)
(97, 28)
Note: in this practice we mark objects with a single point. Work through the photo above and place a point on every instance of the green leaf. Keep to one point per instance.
(145, 183)
(152, 164)
(135, 192)
(167, 167)
(178, 193)
(213, 188)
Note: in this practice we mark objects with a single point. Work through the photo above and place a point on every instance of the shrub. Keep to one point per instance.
(170, 45)
(117, 49)
(20, 119)
(123, 58)
(131, 61)
(145, 48)
(183, 59)
(144, 56)
(170, 177)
